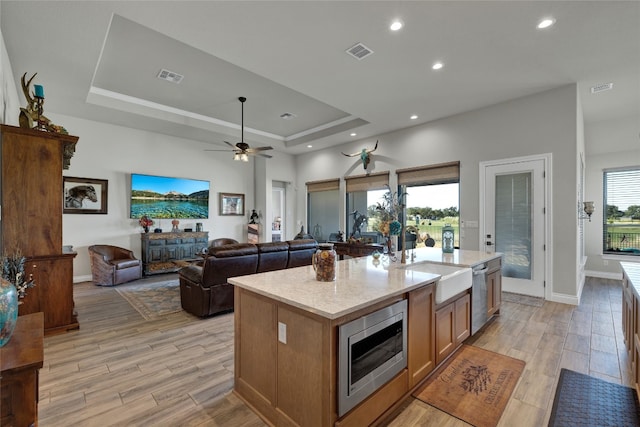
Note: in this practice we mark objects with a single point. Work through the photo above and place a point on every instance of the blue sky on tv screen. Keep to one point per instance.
(162, 184)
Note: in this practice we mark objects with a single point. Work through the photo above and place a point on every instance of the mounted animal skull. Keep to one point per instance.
(365, 155)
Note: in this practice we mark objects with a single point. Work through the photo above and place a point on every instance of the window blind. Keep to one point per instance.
(443, 173)
(372, 181)
(325, 185)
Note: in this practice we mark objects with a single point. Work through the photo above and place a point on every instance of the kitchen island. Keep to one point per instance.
(287, 334)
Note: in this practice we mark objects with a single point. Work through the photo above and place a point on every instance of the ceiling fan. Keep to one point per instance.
(241, 149)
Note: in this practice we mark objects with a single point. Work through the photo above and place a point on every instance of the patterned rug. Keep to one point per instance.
(474, 385)
(153, 297)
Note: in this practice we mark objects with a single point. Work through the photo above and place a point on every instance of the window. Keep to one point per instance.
(621, 219)
(432, 200)
(323, 211)
(363, 192)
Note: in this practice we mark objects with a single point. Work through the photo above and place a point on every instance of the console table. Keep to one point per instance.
(355, 249)
(20, 360)
(169, 252)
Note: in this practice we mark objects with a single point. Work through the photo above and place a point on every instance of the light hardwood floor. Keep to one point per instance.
(120, 369)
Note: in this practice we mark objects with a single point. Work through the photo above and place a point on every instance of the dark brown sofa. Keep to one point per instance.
(204, 290)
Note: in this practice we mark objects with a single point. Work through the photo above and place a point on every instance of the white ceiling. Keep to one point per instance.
(99, 60)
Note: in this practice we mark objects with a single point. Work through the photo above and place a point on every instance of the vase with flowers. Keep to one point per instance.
(388, 212)
(13, 287)
(145, 222)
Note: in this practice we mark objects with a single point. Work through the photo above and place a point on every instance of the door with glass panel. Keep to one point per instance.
(514, 222)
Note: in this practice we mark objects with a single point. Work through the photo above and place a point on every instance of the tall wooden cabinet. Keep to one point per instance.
(31, 195)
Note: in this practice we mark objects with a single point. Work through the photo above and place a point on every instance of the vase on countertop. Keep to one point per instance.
(8, 310)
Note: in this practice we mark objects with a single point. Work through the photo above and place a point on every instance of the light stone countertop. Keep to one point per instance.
(633, 271)
(360, 282)
(459, 257)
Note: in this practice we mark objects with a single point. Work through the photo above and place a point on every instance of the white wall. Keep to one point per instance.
(9, 101)
(113, 152)
(601, 139)
(541, 123)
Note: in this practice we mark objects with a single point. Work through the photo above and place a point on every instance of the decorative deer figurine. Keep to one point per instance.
(33, 112)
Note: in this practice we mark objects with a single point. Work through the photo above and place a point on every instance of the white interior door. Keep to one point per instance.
(514, 222)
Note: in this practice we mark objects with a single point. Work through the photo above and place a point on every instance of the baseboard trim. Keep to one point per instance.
(79, 279)
(603, 274)
(564, 298)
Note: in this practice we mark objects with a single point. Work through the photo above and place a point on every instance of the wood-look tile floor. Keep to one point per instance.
(120, 369)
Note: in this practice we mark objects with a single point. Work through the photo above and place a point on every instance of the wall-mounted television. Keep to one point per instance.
(168, 197)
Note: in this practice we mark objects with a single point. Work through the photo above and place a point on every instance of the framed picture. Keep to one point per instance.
(231, 204)
(84, 195)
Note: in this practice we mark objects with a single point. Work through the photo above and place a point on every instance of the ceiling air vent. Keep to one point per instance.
(359, 51)
(601, 87)
(170, 76)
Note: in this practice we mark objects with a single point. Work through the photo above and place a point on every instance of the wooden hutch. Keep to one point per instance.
(31, 192)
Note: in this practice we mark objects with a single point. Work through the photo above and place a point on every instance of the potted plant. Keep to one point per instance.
(13, 287)
(13, 272)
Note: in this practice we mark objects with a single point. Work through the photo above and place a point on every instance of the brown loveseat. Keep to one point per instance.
(204, 290)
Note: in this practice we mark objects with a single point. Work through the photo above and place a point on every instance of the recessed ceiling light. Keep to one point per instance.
(437, 65)
(396, 25)
(413, 117)
(309, 146)
(546, 23)
(353, 134)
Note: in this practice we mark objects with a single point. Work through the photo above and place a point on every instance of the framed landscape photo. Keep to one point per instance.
(231, 204)
(84, 195)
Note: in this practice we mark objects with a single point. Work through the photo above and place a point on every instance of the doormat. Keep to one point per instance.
(582, 400)
(522, 299)
(152, 299)
(474, 386)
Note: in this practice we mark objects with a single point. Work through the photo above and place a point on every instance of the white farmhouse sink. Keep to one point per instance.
(453, 279)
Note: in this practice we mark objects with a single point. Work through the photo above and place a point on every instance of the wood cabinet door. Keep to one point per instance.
(52, 293)
(420, 334)
(31, 194)
(445, 332)
(494, 292)
(462, 323)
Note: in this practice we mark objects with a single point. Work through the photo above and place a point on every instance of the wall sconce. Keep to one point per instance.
(588, 209)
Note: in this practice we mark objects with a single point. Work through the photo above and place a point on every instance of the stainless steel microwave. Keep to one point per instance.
(372, 350)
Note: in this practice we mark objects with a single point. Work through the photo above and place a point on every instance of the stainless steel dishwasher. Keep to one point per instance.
(479, 297)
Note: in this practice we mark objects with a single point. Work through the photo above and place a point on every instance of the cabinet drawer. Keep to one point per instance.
(172, 241)
(156, 242)
(189, 240)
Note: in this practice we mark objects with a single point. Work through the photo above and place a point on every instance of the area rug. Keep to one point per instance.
(522, 299)
(582, 400)
(474, 386)
(152, 298)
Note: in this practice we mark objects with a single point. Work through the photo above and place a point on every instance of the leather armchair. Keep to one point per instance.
(112, 265)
